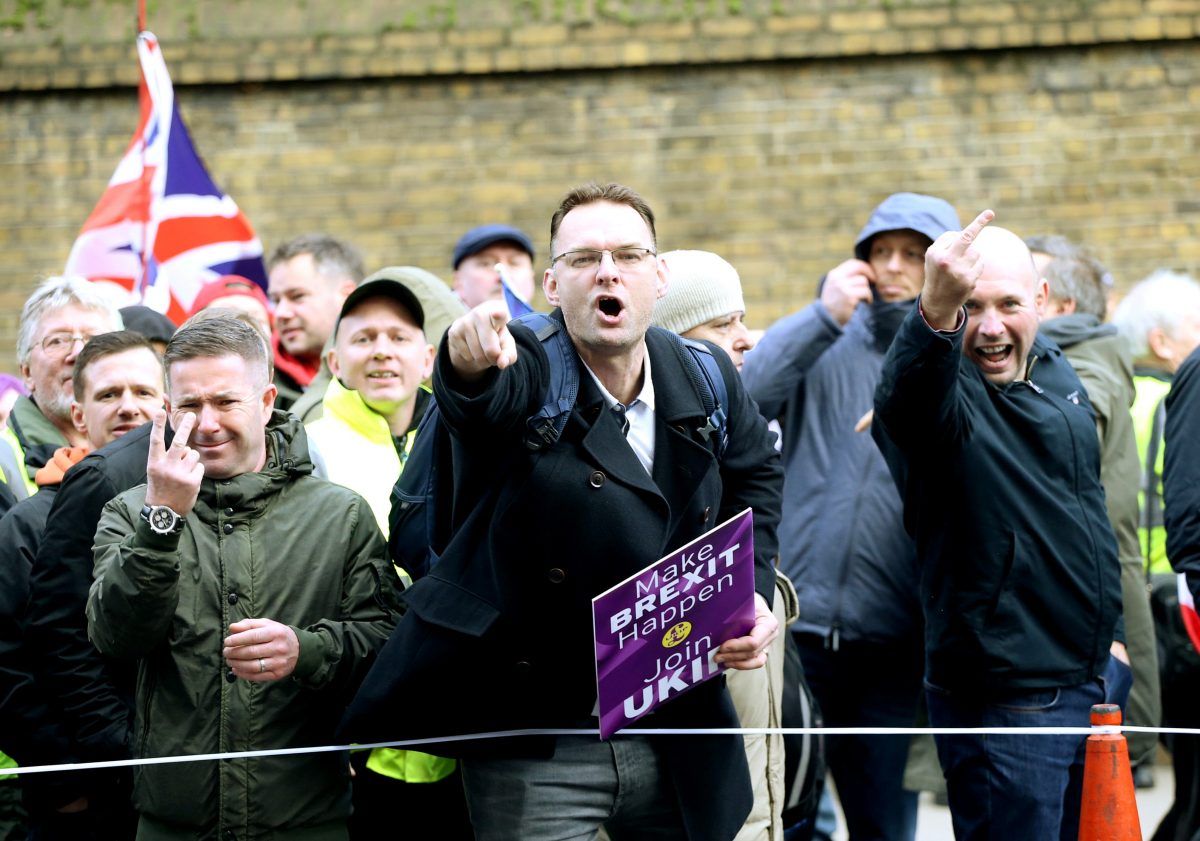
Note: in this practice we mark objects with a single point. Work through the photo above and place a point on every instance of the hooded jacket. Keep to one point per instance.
(1001, 486)
(277, 543)
(842, 541)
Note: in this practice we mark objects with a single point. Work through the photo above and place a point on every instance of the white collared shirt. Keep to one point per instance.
(639, 413)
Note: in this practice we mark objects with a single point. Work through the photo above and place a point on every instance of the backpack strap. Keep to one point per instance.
(544, 427)
(709, 385)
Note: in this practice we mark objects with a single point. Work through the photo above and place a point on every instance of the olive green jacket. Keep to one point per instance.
(277, 544)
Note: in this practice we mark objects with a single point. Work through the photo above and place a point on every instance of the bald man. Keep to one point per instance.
(991, 440)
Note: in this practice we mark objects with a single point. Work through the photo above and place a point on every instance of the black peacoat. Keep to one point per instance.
(498, 636)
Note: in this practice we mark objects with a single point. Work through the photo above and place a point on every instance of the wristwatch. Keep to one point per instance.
(162, 520)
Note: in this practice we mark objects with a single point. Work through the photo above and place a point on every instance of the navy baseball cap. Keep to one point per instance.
(477, 239)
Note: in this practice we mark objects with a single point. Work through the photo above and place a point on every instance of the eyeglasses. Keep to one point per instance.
(60, 344)
(589, 258)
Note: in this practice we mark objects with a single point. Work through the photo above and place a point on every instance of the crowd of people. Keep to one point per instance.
(972, 464)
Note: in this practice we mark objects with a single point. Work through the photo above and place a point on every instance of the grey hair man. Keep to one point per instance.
(56, 322)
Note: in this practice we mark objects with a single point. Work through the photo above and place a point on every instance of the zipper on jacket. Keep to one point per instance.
(1075, 459)
(833, 638)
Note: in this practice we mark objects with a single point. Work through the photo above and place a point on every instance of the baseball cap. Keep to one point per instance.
(477, 239)
(425, 295)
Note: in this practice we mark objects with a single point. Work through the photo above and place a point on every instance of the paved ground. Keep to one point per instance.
(933, 821)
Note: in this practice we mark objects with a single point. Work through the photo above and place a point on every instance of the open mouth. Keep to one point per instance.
(382, 375)
(610, 307)
(994, 356)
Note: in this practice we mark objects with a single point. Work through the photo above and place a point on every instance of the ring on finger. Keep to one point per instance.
(262, 667)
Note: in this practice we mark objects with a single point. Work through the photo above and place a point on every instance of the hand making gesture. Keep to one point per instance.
(480, 340)
(173, 473)
(952, 267)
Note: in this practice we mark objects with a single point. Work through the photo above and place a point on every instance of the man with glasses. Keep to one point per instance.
(506, 611)
(56, 322)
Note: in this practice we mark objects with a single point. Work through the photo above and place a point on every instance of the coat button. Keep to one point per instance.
(523, 668)
(232, 598)
(556, 575)
(227, 528)
(228, 512)
(596, 479)
(704, 516)
(230, 677)
(229, 835)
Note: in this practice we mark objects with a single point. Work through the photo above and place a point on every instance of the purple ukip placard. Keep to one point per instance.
(657, 631)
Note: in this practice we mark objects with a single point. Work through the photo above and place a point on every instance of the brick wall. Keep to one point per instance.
(764, 131)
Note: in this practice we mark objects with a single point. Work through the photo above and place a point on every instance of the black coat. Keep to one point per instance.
(28, 732)
(93, 693)
(1181, 472)
(1001, 485)
(498, 635)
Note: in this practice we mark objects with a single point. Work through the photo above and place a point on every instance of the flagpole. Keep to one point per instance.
(139, 286)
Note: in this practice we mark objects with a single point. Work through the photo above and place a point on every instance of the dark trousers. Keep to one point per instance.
(388, 808)
(867, 685)
(1003, 787)
(109, 816)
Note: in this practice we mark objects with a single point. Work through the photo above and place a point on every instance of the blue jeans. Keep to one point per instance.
(1006, 787)
(618, 784)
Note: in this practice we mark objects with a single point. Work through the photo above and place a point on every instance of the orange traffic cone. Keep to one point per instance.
(1109, 807)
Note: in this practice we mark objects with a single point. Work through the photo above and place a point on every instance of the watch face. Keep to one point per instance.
(162, 519)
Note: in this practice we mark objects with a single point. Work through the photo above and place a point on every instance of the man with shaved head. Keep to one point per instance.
(991, 440)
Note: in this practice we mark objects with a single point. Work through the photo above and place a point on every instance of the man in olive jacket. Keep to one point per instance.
(252, 595)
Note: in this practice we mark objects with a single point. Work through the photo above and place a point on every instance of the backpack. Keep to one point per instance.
(423, 516)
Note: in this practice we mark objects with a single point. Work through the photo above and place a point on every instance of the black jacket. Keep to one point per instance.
(94, 694)
(501, 627)
(1019, 581)
(31, 730)
(28, 731)
(1181, 472)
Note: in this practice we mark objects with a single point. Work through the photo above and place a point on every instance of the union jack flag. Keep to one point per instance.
(163, 229)
(1187, 605)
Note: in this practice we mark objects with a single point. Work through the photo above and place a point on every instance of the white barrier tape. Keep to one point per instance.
(1107, 729)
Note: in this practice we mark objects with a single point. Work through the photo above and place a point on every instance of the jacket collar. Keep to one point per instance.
(249, 493)
(33, 428)
(679, 460)
(348, 407)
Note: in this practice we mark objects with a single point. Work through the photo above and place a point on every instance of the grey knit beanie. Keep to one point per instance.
(703, 287)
